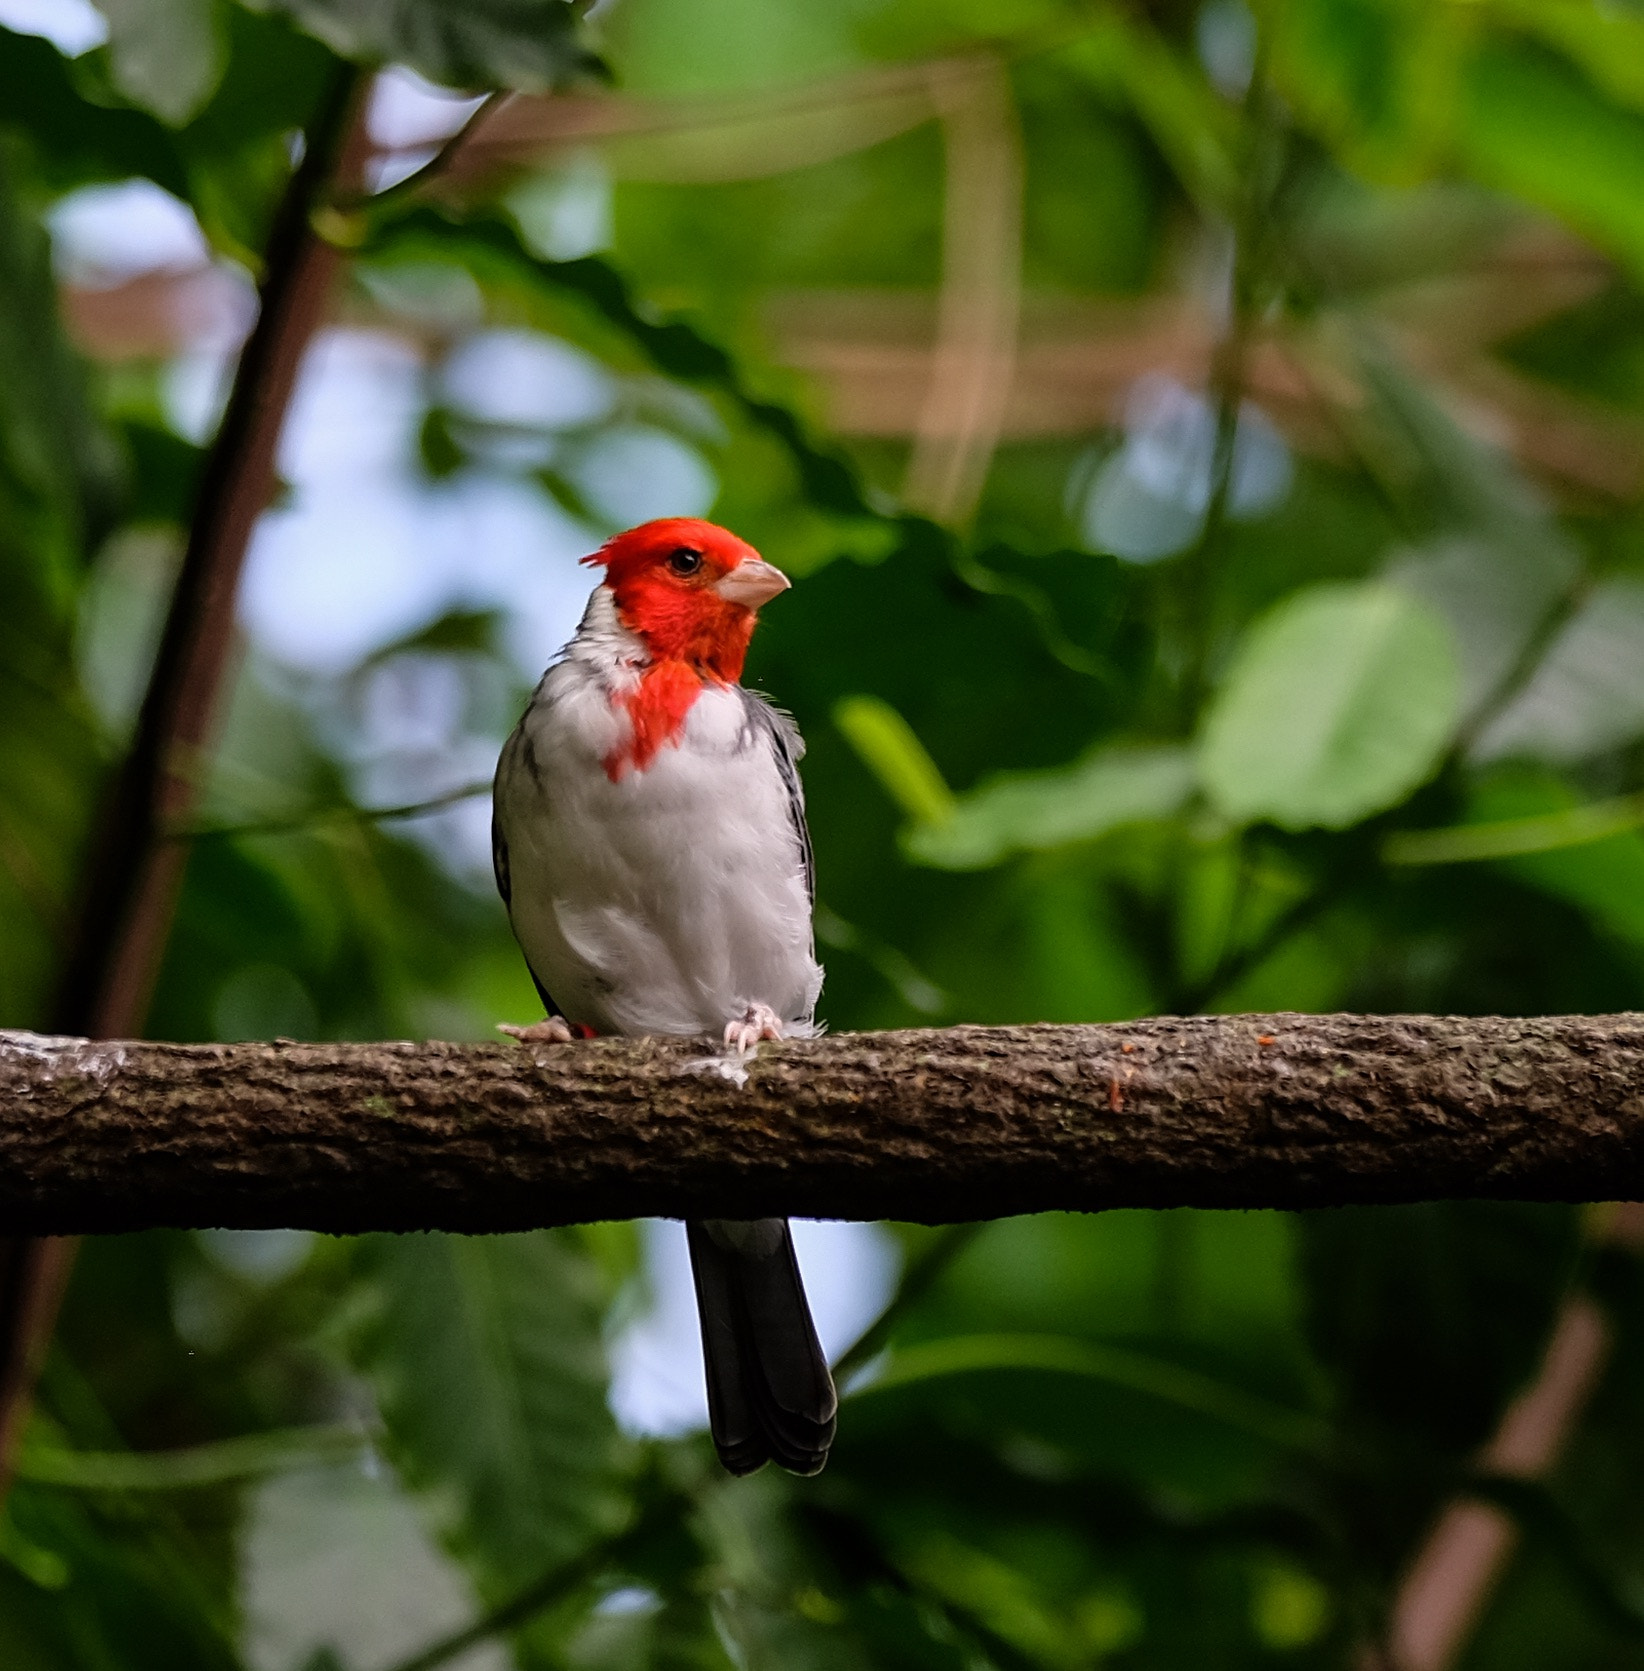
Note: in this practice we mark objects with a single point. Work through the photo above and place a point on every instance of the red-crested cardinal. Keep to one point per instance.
(649, 838)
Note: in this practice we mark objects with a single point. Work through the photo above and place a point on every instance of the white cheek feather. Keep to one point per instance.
(670, 899)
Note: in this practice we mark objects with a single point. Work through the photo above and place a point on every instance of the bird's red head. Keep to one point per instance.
(690, 589)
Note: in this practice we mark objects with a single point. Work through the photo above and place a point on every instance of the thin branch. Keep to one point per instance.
(330, 815)
(1448, 1586)
(1524, 667)
(216, 1462)
(922, 1274)
(938, 1126)
(392, 196)
(1512, 838)
(559, 1581)
(980, 302)
(133, 875)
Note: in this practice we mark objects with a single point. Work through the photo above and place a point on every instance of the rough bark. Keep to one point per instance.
(940, 1126)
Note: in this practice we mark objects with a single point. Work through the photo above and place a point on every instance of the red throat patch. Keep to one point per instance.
(658, 708)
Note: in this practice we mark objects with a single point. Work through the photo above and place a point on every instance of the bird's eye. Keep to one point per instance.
(685, 561)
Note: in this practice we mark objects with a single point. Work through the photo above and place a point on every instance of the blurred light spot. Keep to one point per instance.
(263, 1257)
(527, 379)
(656, 1385)
(1108, 1622)
(263, 1001)
(412, 702)
(505, 543)
(1148, 499)
(565, 212)
(356, 408)
(1288, 1607)
(72, 26)
(194, 390)
(627, 1601)
(634, 473)
(1226, 38)
(409, 735)
(406, 110)
(104, 235)
(337, 1567)
(337, 573)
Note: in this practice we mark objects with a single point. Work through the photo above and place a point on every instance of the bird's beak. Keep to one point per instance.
(752, 582)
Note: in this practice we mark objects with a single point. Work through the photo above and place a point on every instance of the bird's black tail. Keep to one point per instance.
(770, 1396)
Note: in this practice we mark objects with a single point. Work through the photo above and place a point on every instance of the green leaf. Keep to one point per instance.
(890, 749)
(209, 1464)
(1338, 705)
(165, 55)
(1117, 1366)
(75, 139)
(490, 1374)
(52, 445)
(1434, 1315)
(1025, 811)
(1193, 128)
(1513, 838)
(1534, 127)
(1603, 877)
(531, 45)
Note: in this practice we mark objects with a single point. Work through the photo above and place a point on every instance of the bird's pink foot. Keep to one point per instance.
(552, 1029)
(758, 1021)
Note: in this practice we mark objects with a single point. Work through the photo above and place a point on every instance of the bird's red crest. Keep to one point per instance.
(671, 580)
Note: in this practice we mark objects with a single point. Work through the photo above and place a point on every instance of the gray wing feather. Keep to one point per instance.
(777, 730)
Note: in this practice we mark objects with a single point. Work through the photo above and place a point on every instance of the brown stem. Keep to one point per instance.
(938, 1126)
(134, 873)
(1449, 1584)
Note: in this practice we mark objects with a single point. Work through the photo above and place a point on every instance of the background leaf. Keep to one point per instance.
(1336, 707)
(490, 43)
(165, 55)
(486, 1357)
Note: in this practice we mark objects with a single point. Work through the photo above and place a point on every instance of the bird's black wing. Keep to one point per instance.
(776, 729)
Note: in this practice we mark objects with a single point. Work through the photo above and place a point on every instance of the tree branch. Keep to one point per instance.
(133, 874)
(938, 1126)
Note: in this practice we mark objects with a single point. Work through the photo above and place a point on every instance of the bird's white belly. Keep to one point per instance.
(666, 901)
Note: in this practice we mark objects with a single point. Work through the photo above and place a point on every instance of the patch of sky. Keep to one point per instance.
(1147, 499)
(72, 26)
(633, 473)
(104, 235)
(194, 390)
(850, 1273)
(408, 121)
(517, 387)
(364, 550)
(1225, 35)
(263, 1257)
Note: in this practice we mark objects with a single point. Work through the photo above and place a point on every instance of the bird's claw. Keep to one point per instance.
(758, 1021)
(552, 1029)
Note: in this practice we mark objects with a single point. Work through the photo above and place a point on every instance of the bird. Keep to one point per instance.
(650, 846)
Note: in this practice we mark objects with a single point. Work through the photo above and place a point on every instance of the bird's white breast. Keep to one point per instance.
(670, 898)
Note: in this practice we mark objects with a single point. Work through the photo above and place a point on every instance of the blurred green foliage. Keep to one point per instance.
(1337, 545)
